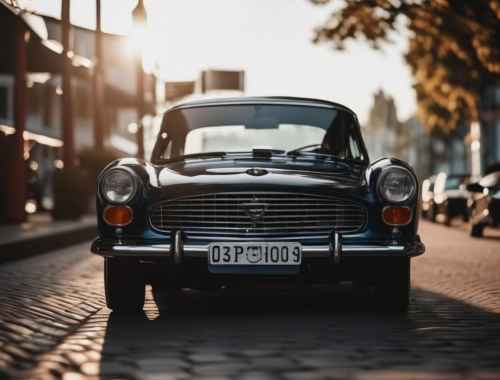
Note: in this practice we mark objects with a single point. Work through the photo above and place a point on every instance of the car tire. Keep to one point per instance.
(477, 230)
(124, 285)
(392, 289)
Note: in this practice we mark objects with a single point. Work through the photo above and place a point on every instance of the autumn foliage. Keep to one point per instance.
(454, 48)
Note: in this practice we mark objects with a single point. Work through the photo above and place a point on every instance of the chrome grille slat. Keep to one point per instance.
(235, 210)
(187, 208)
(258, 228)
(222, 214)
(267, 219)
(216, 201)
(326, 223)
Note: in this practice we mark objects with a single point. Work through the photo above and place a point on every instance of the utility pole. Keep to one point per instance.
(140, 19)
(67, 109)
(140, 109)
(16, 182)
(97, 81)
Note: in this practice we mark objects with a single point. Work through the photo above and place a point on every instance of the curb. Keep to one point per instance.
(24, 248)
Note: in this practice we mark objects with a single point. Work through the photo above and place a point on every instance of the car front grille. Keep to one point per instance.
(254, 214)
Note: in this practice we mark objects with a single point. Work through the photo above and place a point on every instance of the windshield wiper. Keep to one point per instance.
(256, 153)
(266, 152)
(298, 151)
(339, 161)
(194, 155)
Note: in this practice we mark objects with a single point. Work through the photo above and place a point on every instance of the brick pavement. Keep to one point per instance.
(54, 325)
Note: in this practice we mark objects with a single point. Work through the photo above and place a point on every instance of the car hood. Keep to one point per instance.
(213, 176)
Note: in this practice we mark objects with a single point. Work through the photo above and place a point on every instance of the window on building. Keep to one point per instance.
(4, 102)
(6, 98)
(497, 145)
(83, 95)
(35, 98)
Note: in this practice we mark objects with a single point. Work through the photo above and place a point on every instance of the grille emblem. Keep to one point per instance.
(255, 210)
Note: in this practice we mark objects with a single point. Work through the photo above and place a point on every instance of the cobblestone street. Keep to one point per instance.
(54, 324)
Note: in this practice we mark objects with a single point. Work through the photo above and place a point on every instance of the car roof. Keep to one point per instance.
(242, 100)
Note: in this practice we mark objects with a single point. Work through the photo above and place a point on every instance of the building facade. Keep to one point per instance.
(42, 112)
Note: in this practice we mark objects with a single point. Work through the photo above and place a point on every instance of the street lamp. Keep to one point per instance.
(139, 18)
(97, 80)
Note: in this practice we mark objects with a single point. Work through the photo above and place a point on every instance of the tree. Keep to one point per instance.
(454, 49)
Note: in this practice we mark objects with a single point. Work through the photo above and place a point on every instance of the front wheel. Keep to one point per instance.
(124, 285)
(393, 286)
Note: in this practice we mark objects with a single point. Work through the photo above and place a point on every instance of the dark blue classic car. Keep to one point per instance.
(254, 190)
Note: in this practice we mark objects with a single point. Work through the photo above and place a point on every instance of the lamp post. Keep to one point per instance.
(97, 81)
(139, 18)
(67, 109)
(15, 185)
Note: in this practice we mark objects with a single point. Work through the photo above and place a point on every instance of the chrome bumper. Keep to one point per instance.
(178, 250)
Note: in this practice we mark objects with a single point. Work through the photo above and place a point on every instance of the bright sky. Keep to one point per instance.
(270, 40)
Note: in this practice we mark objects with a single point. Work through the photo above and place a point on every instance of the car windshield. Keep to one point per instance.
(243, 128)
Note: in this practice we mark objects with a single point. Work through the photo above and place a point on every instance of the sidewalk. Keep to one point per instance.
(40, 234)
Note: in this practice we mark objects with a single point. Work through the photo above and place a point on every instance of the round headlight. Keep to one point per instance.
(118, 186)
(396, 184)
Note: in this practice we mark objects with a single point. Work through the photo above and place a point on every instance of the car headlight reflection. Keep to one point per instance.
(118, 186)
(396, 184)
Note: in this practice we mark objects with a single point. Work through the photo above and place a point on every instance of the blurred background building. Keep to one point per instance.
(31, 101)
(386, 136)
(119, 107)
(429, 151)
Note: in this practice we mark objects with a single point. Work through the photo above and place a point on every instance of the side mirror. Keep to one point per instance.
(474, 188)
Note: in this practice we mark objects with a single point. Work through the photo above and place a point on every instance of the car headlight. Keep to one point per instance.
(118, 186)
(396, 184)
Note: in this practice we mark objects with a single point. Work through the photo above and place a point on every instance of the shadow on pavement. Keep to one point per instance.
(486, 236)
(321, 334)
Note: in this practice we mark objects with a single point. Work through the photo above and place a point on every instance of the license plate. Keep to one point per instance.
(254, 253)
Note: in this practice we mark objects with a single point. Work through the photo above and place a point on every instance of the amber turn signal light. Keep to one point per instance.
(118, 215)
(396, 215)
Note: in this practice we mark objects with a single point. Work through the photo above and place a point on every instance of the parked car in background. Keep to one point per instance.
(450, 197)
(428, 196)
(247, 191)
(484, 203)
